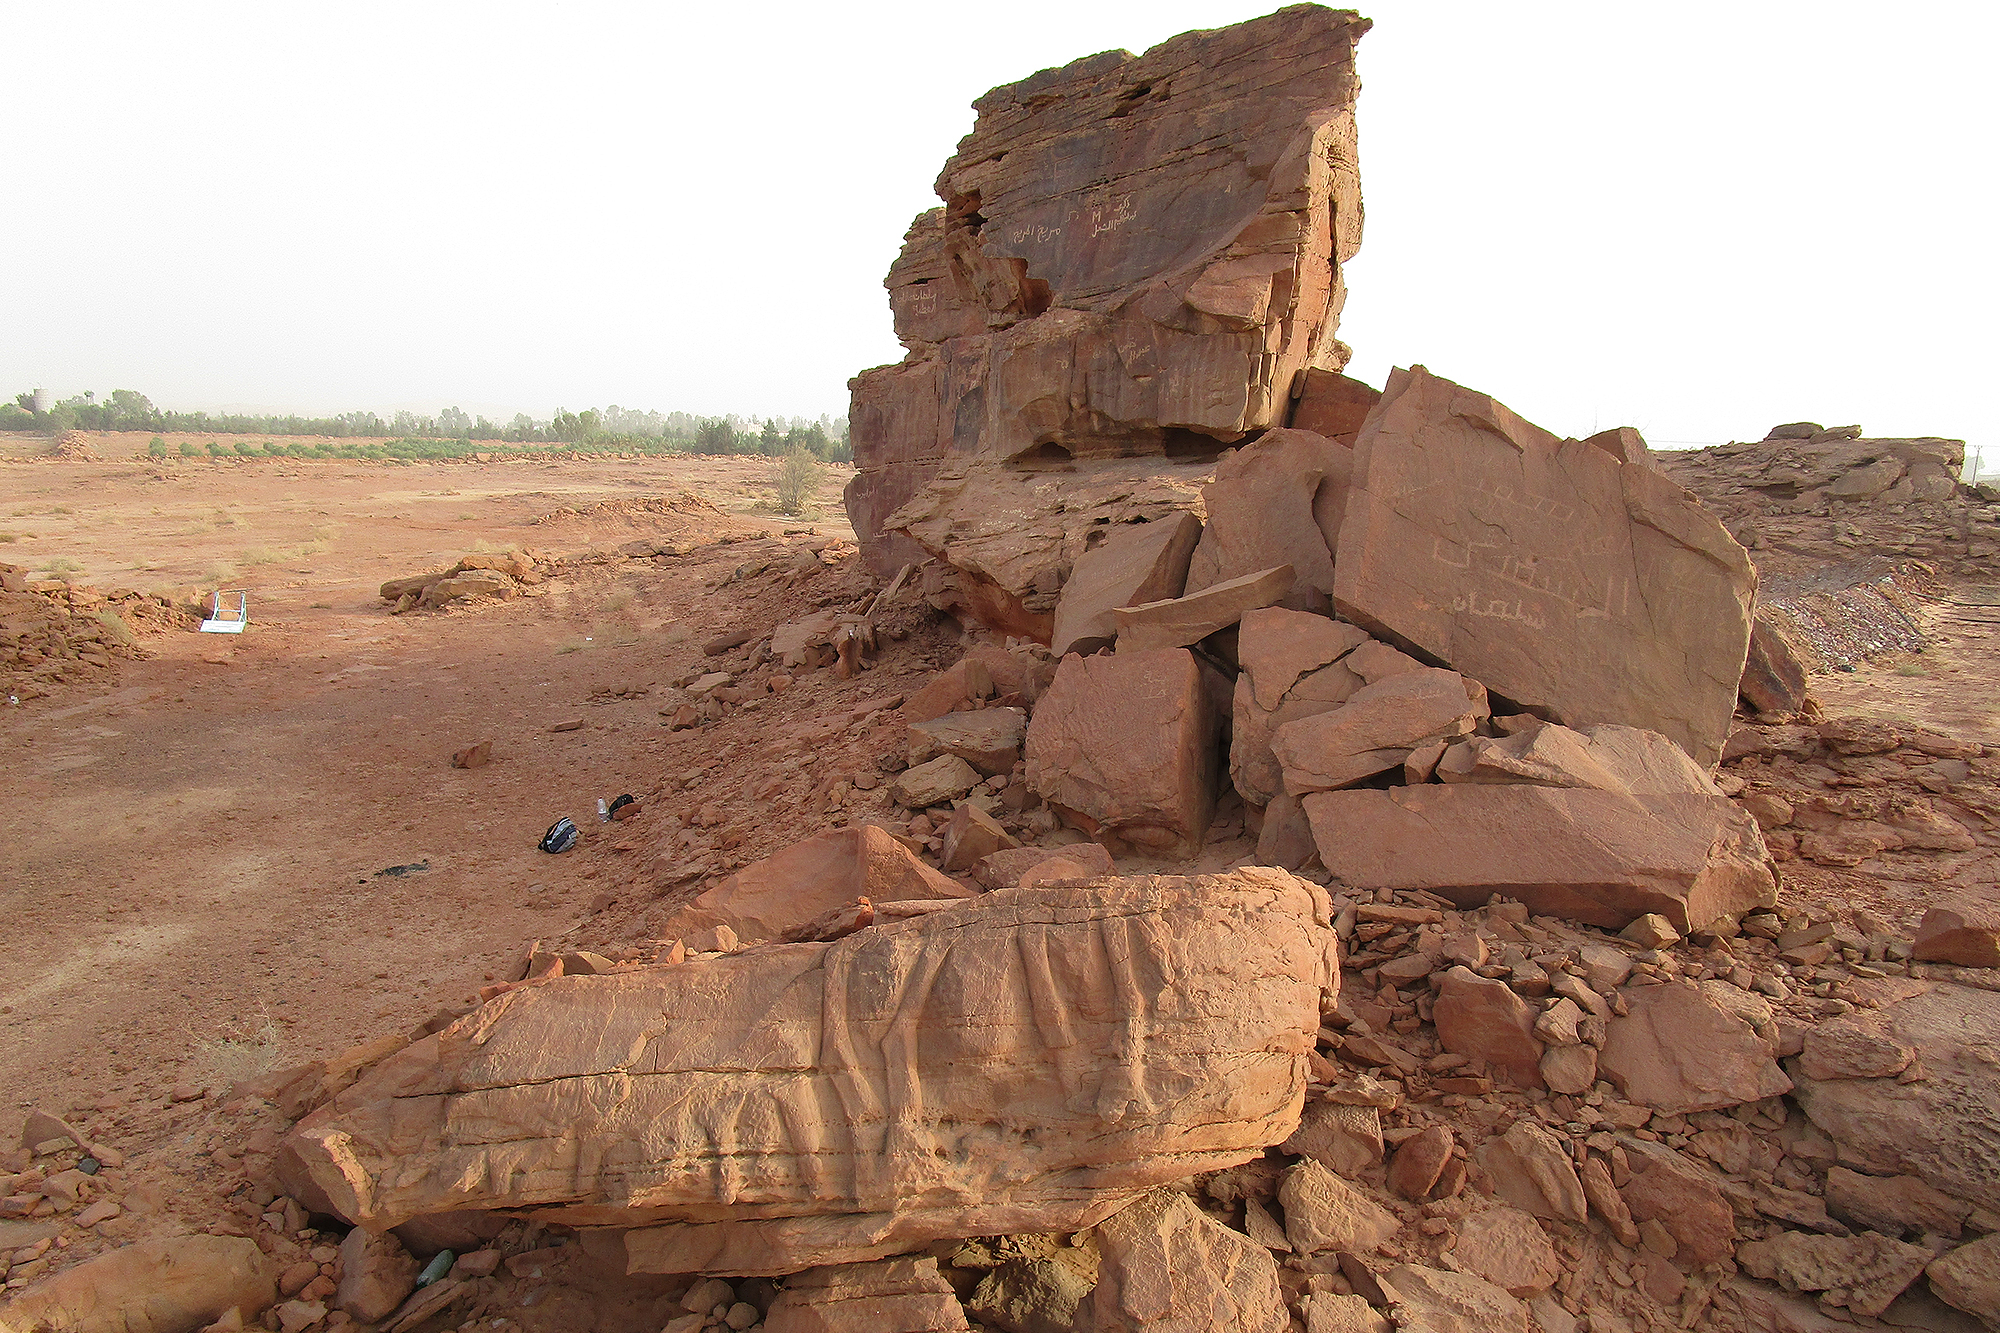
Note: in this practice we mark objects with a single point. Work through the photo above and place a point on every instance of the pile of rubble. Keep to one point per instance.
(1338, 891)
(52, 631)
(476, 576)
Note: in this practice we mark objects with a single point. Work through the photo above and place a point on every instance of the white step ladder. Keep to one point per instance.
(228, 619)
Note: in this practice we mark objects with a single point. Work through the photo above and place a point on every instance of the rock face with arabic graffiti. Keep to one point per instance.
(1137, 255)
(1563, 578)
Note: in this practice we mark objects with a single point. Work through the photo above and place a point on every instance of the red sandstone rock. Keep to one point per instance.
(155, 1286)
(1485, 1020)
(1680, 1050)
(1276, 501)
(1128, 742)
(1333, 405)
(1165, 1266)
(1134, 564)
(1508, 1248)
(767, 898)
(1591, 856)
(1965, 931)
(811, 1103)
(1774, 679)
(1548, 570)
(1184, 621)
(1376, 729)
(905, 1295)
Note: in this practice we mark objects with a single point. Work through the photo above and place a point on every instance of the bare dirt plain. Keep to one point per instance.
(194, 839)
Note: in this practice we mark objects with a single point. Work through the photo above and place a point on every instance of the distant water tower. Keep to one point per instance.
(39, 402)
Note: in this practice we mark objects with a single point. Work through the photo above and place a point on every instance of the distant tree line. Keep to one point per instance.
(612, 427)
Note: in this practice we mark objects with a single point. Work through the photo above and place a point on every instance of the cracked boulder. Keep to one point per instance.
(1031, 1062)
(1573, 583)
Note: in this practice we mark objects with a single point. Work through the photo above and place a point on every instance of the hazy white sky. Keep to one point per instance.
(1697, 222)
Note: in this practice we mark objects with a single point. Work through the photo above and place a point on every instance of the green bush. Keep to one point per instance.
(188, 449)
(156, 448)
(798, 482)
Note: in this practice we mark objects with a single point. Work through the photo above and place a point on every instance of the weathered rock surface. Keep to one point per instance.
(376, 1275)
(1556, 575)
(1508, 1248)
(1049, 314)
(1133, 564)
(1291, 669)
(1592, 856)
(767, 898)
(1276, 501)
(1335, 406)
(1376, 728)
(987, 738)
(1604, 757)
(1004, 869)
(155, 1286)
(1969, 1278)
(1774, 675)
(1684, 1197)
(1324, 1212)
(1432, 1300)
(1863, 1273)
(978, 1070)
(945, 778)
(1944, 1128)
(1893, 1205)
(1346, 1140)
(1165, 1265)
(1129, 742)
(1531, 1169)
(1035, 1295)
(906, 1295)
(1184, 621)
(1012, 538)
(1680, 1050)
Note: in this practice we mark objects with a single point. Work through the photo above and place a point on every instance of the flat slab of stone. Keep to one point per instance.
(1678, 1050)
(1275, 501)
(1552, 572)
(1592, 856)
(1182, 621)
(1376, 728)
(1031, 1063)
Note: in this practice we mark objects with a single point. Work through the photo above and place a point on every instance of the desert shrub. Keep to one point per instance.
(798, 482)
(188, 450)
(156, 448)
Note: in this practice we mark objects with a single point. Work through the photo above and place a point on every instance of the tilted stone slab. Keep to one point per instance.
(1029, 1063)
(1563, 579)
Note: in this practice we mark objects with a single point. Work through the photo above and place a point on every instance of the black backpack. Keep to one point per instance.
(560, 837)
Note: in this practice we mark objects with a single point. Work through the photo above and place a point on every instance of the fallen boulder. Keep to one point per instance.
(906, 1295)
(1862, 1273)
(1605, 757)
(978, 1070)
(155, 1286)
(1184, 621)
(1128, 745)
(1376, 729)
(1679, 1050)
(1965, 931)
(1592, 856)
(1560, 577)
(1275, 501)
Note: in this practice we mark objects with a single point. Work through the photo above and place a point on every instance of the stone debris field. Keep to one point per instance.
(1226, 847)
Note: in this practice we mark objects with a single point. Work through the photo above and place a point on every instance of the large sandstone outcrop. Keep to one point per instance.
(156, 1286)
(1137, 255)
(1028, 1062)
(1561, 577)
